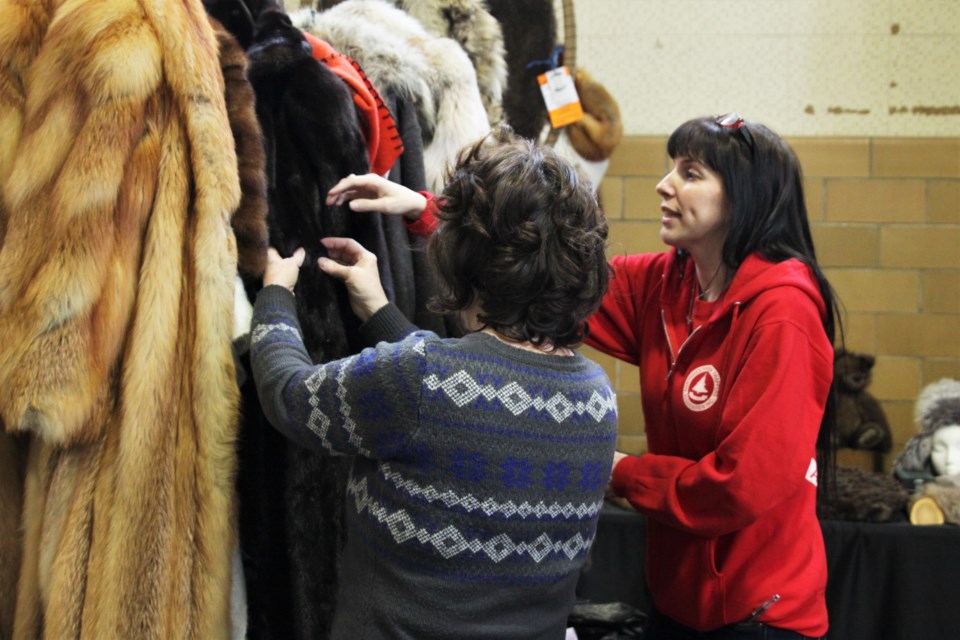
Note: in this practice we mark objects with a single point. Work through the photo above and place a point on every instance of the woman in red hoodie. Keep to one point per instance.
(732, 329)
(733, 332)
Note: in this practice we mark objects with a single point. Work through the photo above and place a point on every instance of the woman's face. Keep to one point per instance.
(945, 450)
(694, 207)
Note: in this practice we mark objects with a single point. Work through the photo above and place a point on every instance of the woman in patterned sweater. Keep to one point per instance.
(480, 462)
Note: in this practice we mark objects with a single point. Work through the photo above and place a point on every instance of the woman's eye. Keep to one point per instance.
(692, 175)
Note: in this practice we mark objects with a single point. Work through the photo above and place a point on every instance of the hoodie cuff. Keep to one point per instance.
(427, 223)
(622, 474)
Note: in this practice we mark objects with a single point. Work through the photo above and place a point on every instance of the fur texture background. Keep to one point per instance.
(291, 499)
(249, 222)
(479, 33)
(864, 496)
(403, 76)
(117, 266)
(291, 520)
(374, 33)
(601, 129)
(529, 34)
(945, 491)
(11, 504)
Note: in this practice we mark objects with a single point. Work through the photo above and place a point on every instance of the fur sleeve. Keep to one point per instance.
(250, 220)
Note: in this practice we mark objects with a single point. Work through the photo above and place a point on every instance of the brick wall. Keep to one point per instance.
(885, 214)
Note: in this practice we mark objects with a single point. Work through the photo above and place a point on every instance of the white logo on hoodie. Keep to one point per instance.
(811, 474)
(701, 388)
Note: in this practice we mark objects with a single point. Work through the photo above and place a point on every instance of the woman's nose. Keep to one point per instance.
(664, 187)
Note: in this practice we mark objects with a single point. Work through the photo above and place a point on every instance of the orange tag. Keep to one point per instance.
(560, 96)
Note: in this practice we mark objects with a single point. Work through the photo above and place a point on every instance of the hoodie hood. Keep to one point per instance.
(755, 276)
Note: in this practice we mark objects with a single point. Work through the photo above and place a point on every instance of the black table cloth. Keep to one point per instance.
(891, 581)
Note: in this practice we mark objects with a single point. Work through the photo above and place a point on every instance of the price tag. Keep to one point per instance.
(560, 96)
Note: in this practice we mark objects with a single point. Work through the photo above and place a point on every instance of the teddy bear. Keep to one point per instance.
(861, 421)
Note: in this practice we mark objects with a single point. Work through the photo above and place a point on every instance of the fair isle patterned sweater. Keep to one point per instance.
(478, 475)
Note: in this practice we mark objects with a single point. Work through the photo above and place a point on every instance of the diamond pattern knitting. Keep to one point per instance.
(450, 541)
(319, 422)
(473, 467)
(489, 506)
(463, 389)
(261, 331)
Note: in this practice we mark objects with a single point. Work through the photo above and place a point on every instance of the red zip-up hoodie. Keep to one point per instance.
(732, 411)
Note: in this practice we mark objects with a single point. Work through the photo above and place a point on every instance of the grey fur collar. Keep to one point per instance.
(479, 33)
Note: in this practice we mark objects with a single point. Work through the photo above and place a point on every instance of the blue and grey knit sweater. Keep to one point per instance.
(478, 476)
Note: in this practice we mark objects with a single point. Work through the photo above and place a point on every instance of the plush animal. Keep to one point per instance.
(864, 496)
(861, 422)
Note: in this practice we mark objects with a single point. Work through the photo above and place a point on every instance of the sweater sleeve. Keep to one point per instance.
(388, 324)
(366, 404)
(766, 443)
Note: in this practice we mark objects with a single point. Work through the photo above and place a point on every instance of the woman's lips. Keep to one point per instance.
(668, 215)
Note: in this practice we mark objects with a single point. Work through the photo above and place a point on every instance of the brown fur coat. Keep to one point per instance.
(117, 264)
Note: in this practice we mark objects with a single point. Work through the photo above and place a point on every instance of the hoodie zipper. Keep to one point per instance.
(674, 357)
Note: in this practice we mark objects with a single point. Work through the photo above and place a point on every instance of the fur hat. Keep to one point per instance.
(937, 406)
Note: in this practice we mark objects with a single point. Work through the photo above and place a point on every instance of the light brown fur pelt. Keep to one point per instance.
(479, 33)
(601, 129)
(250, 221)
(945, 491)
(459, 117)
(119, 181)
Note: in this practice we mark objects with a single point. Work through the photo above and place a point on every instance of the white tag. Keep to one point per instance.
(560, 96)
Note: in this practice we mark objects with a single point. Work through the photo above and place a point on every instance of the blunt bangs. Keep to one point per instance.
(705, 141)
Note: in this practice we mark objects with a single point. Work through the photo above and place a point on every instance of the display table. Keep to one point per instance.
(885, 581)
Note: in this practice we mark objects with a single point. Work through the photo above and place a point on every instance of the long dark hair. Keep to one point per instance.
(763, 183)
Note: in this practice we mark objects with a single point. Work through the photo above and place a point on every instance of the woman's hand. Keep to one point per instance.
(283, 271)
(357, 267)
(371, 192)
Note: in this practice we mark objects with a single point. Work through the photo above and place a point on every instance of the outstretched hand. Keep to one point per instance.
(283, 271)
(357, 267)
(372, 192)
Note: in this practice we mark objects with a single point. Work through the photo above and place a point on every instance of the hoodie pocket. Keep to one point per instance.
(683, 577)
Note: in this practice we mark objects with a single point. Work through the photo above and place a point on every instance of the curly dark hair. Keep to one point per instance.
(522, 235)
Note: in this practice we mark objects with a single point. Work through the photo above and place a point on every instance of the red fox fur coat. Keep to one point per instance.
(118, 178)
